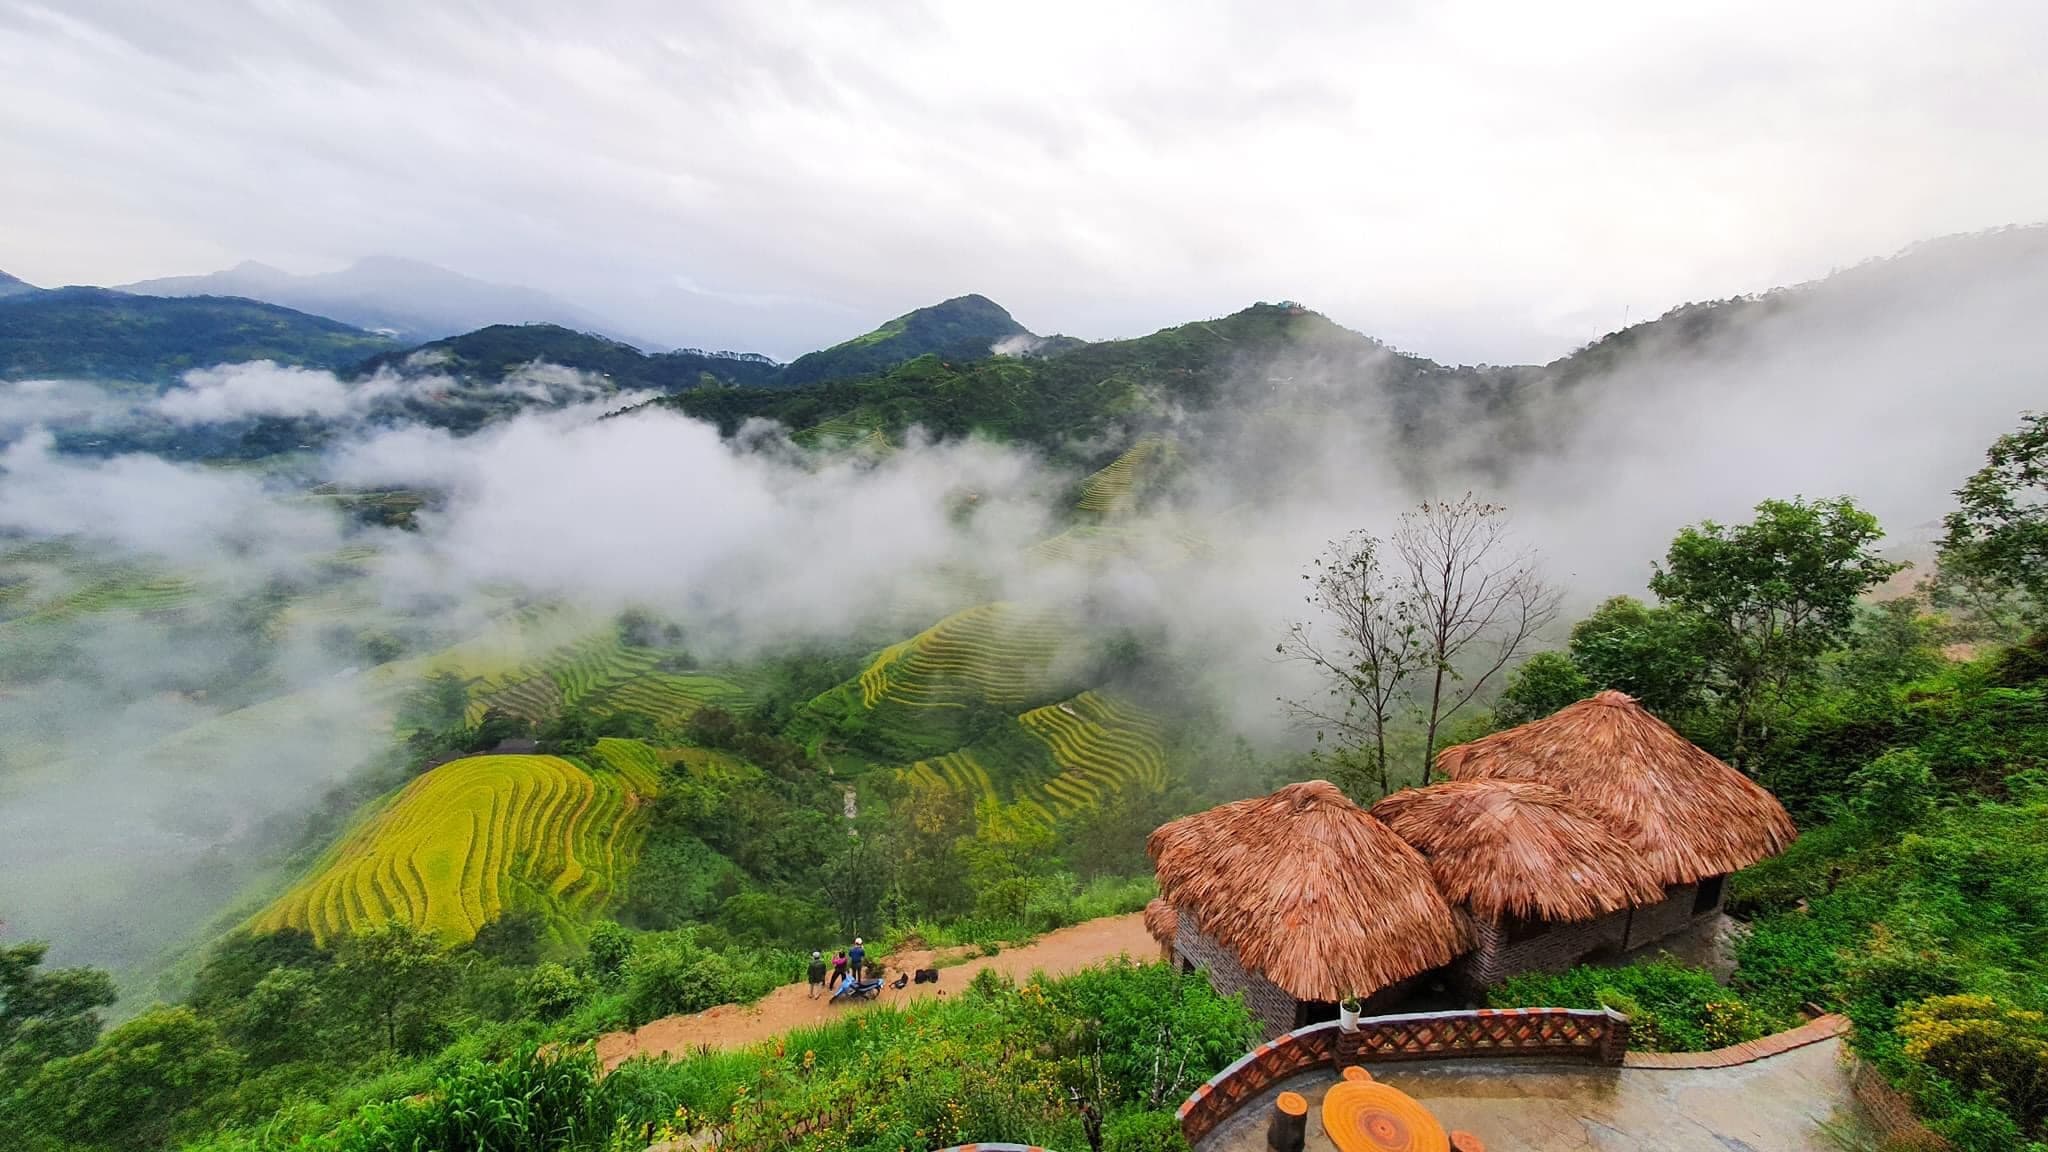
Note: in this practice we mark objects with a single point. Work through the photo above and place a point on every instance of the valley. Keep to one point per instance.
(386, 715)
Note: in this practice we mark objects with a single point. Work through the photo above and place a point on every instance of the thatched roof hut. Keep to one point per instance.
(1514, 849)
(1308, 890)
(1688, 814)
(1161, 921)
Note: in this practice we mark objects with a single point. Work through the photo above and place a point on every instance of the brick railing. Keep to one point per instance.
(1597, 1036)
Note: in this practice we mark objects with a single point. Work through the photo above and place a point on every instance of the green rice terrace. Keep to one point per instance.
(467, 840)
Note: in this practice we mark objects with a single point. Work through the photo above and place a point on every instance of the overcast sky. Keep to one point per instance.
(1471, 181)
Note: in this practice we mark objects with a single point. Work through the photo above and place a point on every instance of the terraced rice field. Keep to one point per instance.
(668, 698)
(994, 654)
(1102, 745)
(955, 771)
(1114, 490)
(539, 690)
(467, 840)
(122, 594)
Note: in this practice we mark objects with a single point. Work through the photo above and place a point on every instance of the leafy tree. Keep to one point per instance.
(438, 703)
(397, 979)
(1657, 655)
(608, 949)
(512, 937)
(1772, 595)
(1543, 684)
(1997, 538)
(136, 1087)
(280, 1019)
(242, 959)
(46, 1014)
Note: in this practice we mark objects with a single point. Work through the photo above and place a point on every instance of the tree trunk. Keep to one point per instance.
(1436, 693)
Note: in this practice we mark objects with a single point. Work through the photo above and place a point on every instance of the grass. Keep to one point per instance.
(471, 838)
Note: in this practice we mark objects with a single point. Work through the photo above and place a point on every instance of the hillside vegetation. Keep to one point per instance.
(94, 333)
(474, 838)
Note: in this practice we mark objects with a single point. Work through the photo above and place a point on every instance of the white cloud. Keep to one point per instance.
(257, 388)
(1472, 180)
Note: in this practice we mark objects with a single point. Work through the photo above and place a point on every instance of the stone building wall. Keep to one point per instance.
(1494, 958)
(1653, 922)
(1269, 1003)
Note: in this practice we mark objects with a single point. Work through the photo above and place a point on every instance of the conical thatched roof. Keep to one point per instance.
(1162, 921)
(1510, 848)
(1308, 890)
(1687, 813)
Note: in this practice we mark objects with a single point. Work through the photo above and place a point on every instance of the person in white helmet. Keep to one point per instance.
(857, 958)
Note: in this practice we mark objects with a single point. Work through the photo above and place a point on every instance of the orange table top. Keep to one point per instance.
(1368, 1116)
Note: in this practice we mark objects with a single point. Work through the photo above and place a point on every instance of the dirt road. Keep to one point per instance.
(735, 1025)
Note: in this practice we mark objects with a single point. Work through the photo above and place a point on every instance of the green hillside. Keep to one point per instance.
(499, 349)
(98, 334)
(471, 839)
(965, 328)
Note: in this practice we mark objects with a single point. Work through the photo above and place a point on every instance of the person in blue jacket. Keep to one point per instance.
(858, 959)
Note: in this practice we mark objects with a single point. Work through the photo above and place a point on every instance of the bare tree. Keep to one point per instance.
(1478, 601)
(1367, 656)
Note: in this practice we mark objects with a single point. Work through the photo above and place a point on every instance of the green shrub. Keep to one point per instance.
(530, 1103)
(1143, 1132)
(1985, 1047)
(1894, 791)
(552, 991)
(1687, 1010)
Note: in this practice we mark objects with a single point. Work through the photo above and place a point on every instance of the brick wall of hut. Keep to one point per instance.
(1269, 1003)
(1495, 956)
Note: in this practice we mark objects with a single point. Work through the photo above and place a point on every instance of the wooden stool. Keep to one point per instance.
(1289, 1129)
(1463, 1141)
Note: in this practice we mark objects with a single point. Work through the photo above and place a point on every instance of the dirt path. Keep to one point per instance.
(735, 1025)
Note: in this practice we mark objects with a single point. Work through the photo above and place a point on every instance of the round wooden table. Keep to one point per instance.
(1368, 1116)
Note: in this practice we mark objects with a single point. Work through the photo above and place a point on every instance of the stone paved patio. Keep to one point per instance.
(1772, 1105)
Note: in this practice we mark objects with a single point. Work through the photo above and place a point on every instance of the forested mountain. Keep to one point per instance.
(493, 352)
(411, 299)
(102, 334)
(965, 328)
(14, 285)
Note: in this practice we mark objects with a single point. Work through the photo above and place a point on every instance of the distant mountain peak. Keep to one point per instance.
(966, 327)
(15, 285)
(409, 298)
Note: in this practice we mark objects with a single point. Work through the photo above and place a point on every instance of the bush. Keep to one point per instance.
(1143, 1132)
(530, 1103)
(1686, 1010)
(552, 991)
(1894, 791)
(1986, 1048)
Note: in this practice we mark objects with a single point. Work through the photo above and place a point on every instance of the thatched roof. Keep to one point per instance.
(1510, 848)
(1308, 890)
(1162, 921)
(1687, 813)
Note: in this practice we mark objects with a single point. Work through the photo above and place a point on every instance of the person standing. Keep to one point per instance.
(817, 973)
(858, 959)
(838, 969)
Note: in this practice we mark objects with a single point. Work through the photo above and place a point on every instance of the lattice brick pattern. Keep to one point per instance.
(1523, 1032)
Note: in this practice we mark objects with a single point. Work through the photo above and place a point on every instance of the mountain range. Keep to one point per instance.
(965, 364)
(409, 300)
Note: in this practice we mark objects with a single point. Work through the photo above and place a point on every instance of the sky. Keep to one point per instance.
(1476, 182)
